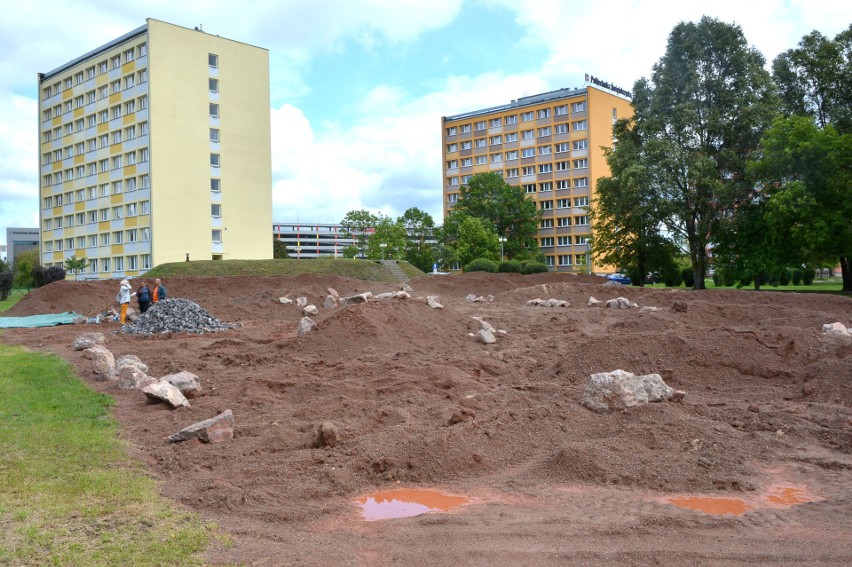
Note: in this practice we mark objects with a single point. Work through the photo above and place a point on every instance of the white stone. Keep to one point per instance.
(432, 301)
(620, 389)
(162, 391)
(310, 310)
(306, 325)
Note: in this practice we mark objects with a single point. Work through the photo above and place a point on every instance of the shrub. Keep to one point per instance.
(717, 279)
(509, 267)
(784, 277)
(796, 276)
(672, 278)
(54, 274)
(533, 267)
(5, 285)
(481, 265)
(688, 277)
(808, 275)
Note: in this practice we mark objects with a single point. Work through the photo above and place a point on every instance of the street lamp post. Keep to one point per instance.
(298, 253)
(502, 240)
(383, 245)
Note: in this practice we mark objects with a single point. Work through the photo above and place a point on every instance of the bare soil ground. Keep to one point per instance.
(419, 403)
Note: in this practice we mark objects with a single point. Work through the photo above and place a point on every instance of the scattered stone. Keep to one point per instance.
(387, 295)
(753, 408)
(175, 315)
(486, 337)
(88, 340)
(132, 315)
(593, 302)
(679, 306)
(538, 302)
(162, 391)
(612, 283)
(502, 332)
(302, 301)
(306, 325)
(432, 301)
(648, 309)
(213, 430)
(330, 302)
(187, 382)
(333, 292)
(807, 389)
(402, 294)
(310, 310)
(326, 435)
(470, 298)
(618, 303)
(130, 360)
(407, 288)
(483, 324)
(103, 363)
(619, 389)
(837, 329)
(285, 300)
(131, 377)
(360, 298)
(461, 416)
(677, 396)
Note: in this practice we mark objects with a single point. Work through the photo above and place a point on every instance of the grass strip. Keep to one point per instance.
(70, 493)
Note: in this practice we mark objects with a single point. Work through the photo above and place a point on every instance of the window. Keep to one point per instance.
(543, 113)
(481, 143)
(547, 223)
(93, 240)
(104, 215)
(132, 263)
(143, 128)
(217, 236)
(579, 125)
(91, 121)
(80, 196)
(143, 181)
(213, 85)
(560, 110)
(105, 265)
(563, 203)
(115, 86)
(466, 145)
(564, 259)
(528, 152)
(452, 131)
(132, 235)
(452, 148)
(528, 170)
(496, 158)
(103, 91)
(48, 246)
(561, 148)
(580, 144)
(104, 238)
(48, 202)
(561, 128)
(512, 155)
(546, 205)
(545, 168)
(129, 81)
(544, 131)
(467, 162)
(142, 50)
(145, 261)
(581, 220)
(115, 111)
(214, 134)
(544, 150)
(78, 101)
(91, 97)
(579, 240)
(562, 166)
(496, 140)
(495, 122)
(580, 163)
(481, 160)
(145, 234)
(130, 133)
(529, 188)
(213, 60)
(547, 241)
(216, 211)
(453, 198)
(513, 119)
(581, 182)
(215, 160)
(143, 157)
(545, 187)
(453, 164)
(131, 184)
(92, 193)
(216, 185)
(130, 158)
(214, 110)
(80, 242)
(466, 178)
(103, 116)
(117, 187)
(512, 137)
(453, 181)
(512, 172)
(527, 135)
(581, 201)
(146, 207)
(142, 76)
(578, 106)
(117, 237)
(465, 128)
(526, 116)
(130, 107)
(478, 126)
(131, 209)
(116, 162)
(563, 222)
(142, 103)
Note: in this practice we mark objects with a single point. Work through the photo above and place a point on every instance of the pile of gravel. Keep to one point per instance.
(174, 315)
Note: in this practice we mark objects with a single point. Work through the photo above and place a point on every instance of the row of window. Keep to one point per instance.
(102, 239)
(92, 144)
(541, 114)
(579, 163)
(130, 81)
(103, 190)
(98, 215)
(577, 126)
(548, 241)
(567, 260)
(526, 171)
(92, 120)
(95, 167)
(99, 68)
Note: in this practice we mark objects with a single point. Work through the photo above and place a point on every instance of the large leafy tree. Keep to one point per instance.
(420, 228)
(815, 79)
(359, 224)
(808, 176)
(506, 208)
(700, 117)
(628, 232)
(389, 239)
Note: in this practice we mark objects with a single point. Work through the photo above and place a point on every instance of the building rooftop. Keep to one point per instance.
(520, 102)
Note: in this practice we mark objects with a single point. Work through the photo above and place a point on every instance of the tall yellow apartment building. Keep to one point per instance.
(155, 148)
(549, 144)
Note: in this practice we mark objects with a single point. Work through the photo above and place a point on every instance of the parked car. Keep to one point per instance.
(623, 279)
(653, 277)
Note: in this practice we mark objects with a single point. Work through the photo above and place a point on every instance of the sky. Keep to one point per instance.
(358, 87)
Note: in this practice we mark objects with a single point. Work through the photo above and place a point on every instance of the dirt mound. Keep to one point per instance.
(417, 401)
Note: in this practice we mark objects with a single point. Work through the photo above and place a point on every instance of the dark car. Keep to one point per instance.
(623, 279)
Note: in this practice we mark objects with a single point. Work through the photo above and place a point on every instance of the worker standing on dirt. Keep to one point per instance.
(124, 299)
(143, 296)
(159, 290)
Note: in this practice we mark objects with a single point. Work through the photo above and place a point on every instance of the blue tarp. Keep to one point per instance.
(49, 320)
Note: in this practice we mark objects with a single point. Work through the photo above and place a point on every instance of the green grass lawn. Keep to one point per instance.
(828, 285)
(14, 297)
(69, 492)
(359, 269)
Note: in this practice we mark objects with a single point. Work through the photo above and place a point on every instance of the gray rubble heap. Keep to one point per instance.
(175, 315)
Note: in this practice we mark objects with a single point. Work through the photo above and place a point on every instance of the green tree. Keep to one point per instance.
(75, 265)
(700, 117)
(420, 228)
(359, 225)
(807, 173)
(506, 208)
(815, 79)
(279, 249)
(24, 264)
(476, 239)
(390, 233)
(626, 219)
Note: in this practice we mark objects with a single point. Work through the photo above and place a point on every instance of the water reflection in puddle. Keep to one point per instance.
(788, 496)
(406, 502)
(716, 506)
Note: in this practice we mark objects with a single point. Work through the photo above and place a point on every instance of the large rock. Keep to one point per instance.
(88, 340)
(130, 360)
(486, 337)
(310, 310)
(103, 363)
(432, 301)
(619, 389)
(837, 329)
(213, 430)
(302, 301)
(131, 377)
(360, 298)
(306, 325)
(162, 391)
(330, 302)
(593, 302)
(187, 382)
(485, 325)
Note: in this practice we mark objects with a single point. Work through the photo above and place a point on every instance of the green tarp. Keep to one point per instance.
(49, 320)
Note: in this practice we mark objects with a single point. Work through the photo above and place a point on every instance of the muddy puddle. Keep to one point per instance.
(776, 496)
(406, 502)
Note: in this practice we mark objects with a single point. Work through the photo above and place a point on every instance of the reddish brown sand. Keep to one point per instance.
(418, 403)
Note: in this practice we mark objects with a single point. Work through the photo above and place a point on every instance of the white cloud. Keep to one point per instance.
(18, 162)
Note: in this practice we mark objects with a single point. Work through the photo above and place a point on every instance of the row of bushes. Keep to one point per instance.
(26, 275)
(506, 266)
(775, 279)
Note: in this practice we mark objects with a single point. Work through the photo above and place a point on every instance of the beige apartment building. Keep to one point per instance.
(155, 148)
(551, 145)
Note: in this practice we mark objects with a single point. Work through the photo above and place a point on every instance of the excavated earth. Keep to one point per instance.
(419, 403)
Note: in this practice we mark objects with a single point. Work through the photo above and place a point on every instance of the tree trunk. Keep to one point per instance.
(846, 273)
